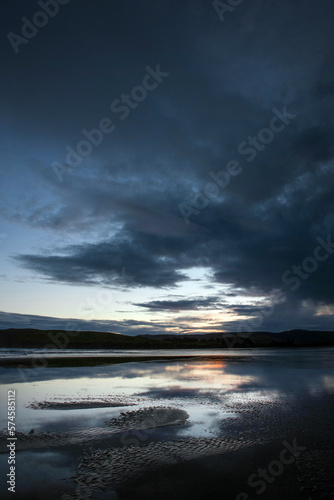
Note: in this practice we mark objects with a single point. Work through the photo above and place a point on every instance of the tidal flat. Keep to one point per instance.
(181, 424)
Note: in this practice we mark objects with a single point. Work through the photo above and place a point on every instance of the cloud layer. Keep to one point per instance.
(118, 213)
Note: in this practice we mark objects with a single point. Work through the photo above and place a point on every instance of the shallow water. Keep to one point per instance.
(235, 399)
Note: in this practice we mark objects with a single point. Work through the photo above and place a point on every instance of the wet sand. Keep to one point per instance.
(225, 463)
(149, 418)
(162, 467)
(142, 419)
(76, 405)
(192, 441)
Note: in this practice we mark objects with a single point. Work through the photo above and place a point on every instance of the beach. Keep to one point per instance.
(222, 424)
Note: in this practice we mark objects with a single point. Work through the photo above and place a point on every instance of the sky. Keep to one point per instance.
(167, 167)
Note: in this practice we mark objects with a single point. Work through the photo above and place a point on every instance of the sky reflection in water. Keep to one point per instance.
(207, 388)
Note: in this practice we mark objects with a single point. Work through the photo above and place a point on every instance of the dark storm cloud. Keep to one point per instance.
(141, 258)
(244, 310)
(316, 144)
(225, 79)
(182, 305)
(292, 314)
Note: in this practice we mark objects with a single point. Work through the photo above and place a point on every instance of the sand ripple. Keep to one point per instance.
(106, 467)
(147, 418)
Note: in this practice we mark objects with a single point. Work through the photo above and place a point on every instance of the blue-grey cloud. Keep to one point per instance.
(123, 200)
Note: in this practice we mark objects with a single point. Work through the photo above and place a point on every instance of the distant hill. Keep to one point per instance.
(32, 338)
